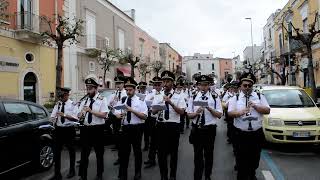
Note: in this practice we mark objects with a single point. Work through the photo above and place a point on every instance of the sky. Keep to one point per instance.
(218, 27)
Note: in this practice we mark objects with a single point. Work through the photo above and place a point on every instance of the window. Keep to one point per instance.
(305, 25)
(38, 112)
(121, 39)
(212, 66)
(199, 66)
(29, 57)
(107, 41)
(226, 74)
(280, 41)
(91, 66)
(270, 34)
(91, 29)
(17, 113)
(226, 63)
(141, 48)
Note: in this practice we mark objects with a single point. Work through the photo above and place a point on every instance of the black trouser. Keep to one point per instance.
(168, 135)
(131, 136)
(248, 148)
(153, 140)
(147, 132)
(203, 147)
(187, 121)
(182, 121)
(91, 136)
(64, 136)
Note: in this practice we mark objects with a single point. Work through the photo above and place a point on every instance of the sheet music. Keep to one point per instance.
(201, 103)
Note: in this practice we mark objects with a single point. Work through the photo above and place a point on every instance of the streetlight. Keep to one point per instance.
(251, 37)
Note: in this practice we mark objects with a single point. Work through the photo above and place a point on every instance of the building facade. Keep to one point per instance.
(247, 54)
(27, 67)
(226, 68)
(106, 26)
(170, 57)
(147, 48)
(301, 14)
(202, 64)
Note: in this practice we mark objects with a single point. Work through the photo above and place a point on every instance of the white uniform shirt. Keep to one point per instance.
(177, 100)
(69, 109)
(115, 96)
(209, 118)
(240, 104)
(99, 105)
(137, 105)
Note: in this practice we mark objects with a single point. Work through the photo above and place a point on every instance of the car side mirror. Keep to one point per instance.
(318, 104)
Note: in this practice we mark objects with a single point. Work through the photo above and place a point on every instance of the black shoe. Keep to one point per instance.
(71, 174)
(207, 178)
(98, 177)
(150, 165)
(123, 178)
(235, 167)
(117, 162)
(82, 178)
(56, 177)
(172, 178)
(137, 176)
(164, 178)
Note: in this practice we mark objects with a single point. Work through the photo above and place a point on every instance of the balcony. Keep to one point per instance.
(94, 43)
(28, 26)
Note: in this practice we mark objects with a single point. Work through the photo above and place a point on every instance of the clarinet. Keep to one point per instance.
(83, 115)
(248, 114)
(56, 121)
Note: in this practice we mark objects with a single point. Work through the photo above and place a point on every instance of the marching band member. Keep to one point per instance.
(132, 129)
(204, 127)
(248, 109)
(94, 110)
(64, 114)
(168, 125)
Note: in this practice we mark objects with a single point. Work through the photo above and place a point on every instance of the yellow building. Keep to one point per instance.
(27, 70)
(301, 13)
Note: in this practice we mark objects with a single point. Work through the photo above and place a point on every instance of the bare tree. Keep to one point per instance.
(307, 39)
(106, 59)
(64, 31)
(143, 69)
(132, 60)
(157, 66)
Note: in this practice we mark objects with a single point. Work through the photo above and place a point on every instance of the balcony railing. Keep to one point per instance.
(94, 42)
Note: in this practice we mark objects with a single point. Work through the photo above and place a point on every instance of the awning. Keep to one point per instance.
(125, 71)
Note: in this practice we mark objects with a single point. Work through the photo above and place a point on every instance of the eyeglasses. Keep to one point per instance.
(247, 85)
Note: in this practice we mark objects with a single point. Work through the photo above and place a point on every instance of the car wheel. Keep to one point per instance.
(46, 156)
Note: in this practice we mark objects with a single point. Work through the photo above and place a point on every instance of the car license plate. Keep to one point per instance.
(301, 134)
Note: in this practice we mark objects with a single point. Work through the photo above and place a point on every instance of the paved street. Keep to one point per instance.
(291, 163)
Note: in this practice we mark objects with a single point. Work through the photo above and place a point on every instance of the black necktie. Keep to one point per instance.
(90, 114)
(62, 110)
(129, 113)
(166, 112)
(203, 119)
(119, 95)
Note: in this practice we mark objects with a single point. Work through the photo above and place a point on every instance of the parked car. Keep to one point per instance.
(294, 116)
(25, 136)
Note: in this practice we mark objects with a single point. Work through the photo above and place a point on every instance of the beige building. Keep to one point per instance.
(170, 57)
(147, 48)
(105, 26)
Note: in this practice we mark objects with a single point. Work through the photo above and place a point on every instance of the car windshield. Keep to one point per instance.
(288, 98)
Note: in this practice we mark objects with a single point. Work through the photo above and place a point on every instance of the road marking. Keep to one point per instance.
(267, 175)
(273, 167)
